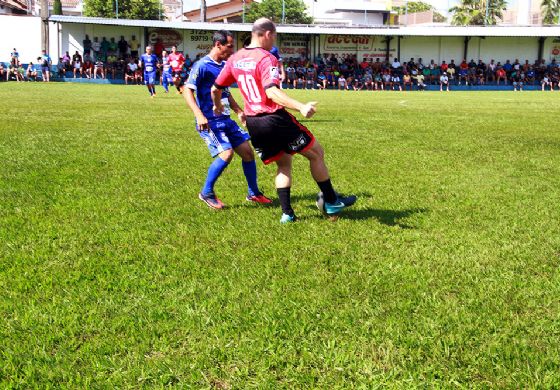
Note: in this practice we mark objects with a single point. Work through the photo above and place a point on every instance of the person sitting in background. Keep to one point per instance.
(508, 68)
(129, 72)
(31, 72)
(491, 72)
(530, 77)
(420, 82)
(377, 82)
(444, 82)
(99, 69)
(87, 69)
(555, 78)
(112, 64)
(61, 68)
(407, 81)
(14, 58)
(20, 73)
(501, 75)
(451, 74)
(12, 73)
(77, 64)
(387, 80)
(517, 81)
(2, 72)
(65, 61)
(546, 82)
(463, 75)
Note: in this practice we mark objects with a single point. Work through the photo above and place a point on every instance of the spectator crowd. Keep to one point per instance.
(346, 73)
(120, 60)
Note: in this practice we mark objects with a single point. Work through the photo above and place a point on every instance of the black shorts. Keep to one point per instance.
(274, 134)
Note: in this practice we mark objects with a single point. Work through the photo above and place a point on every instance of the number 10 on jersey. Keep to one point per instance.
(248, 84)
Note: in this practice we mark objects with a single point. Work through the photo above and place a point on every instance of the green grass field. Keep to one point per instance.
(114, 275)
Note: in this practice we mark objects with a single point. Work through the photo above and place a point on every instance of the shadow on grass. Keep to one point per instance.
(383, 216)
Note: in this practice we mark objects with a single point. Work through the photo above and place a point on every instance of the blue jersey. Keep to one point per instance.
(166, 66)
(201, 79)
(149, 62)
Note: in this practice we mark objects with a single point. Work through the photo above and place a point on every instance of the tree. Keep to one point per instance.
(57, 7)
(295, 11)
(550, 10)
(419, 6)
(473, 12)
(128, 9)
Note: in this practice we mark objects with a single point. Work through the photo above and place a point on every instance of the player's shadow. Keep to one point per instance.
(383, 216)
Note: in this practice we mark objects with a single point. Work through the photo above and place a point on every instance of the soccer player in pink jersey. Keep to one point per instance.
(275, 133)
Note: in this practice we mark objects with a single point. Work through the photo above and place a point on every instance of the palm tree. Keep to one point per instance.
(478, 12)
(550, 11)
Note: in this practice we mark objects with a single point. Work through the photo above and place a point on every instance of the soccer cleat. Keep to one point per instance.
(260, 198)
(341, 203)
(288, 218)
(211, 201)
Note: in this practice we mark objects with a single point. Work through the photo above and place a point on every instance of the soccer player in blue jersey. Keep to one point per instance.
(166, 73)
(222, 135)
(149, 62)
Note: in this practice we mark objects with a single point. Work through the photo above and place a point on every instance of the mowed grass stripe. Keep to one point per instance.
(114, 274)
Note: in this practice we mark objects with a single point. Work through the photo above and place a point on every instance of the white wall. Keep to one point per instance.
(27, 40)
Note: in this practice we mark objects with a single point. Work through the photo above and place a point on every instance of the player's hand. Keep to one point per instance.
(218, 110)
(242, 118)
(308, 110)
(202, 123)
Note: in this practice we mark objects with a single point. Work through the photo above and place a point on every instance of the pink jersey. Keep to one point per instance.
(176, 60)
(254, 70)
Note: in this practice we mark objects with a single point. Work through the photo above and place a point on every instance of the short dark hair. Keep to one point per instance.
(263, 25)
(221, 36)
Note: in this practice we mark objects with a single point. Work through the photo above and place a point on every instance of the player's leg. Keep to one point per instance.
(164, 83)
(222, 151)
(333, 202)
(254, 194)
(283, 183)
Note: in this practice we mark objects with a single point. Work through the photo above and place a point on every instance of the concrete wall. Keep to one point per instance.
(71, 35)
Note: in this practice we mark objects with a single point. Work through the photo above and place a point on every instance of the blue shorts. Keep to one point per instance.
(167, 78)
(224, 134)
(149, 78)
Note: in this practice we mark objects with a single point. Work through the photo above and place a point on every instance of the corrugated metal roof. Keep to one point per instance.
(435, 31)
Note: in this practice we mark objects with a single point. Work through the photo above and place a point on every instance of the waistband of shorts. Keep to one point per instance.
(281, 110)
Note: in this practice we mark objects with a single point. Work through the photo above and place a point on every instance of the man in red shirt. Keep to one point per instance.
(275, 133)
(177, 60)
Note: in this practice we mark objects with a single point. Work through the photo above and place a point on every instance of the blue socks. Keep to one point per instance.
(250, 171)
(214, 172)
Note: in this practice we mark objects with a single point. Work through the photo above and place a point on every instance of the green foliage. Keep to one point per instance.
(412, 7)
(550, 10)
(444, 275)
(419, 6)
(473, 12)
(295, 11)
(128, 9)
(57, 7)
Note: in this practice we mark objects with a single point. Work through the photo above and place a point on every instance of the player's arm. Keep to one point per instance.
(224, 80)
(280, 97)
(237, 109)
(201, 120)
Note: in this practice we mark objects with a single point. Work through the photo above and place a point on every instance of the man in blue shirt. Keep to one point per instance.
(222, 135)
(149, 62)
(46, 66)
(166, 72)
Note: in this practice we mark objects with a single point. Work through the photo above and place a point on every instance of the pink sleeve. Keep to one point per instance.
(268, 69)
(225, 78)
